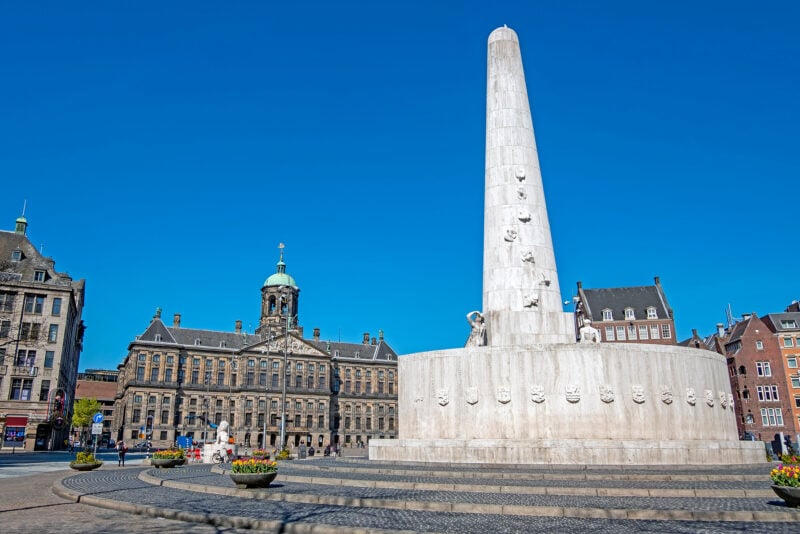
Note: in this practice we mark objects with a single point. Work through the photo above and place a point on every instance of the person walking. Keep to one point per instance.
(121, 450)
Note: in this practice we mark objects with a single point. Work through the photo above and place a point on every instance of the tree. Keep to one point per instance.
(84, 409)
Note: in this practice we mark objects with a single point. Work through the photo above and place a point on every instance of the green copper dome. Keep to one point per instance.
(280, 278)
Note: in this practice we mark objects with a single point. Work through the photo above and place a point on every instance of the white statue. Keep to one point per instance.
(589, 334)
(221, 444)
(477, 337)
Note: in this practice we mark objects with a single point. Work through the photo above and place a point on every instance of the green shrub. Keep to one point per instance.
(85, 458)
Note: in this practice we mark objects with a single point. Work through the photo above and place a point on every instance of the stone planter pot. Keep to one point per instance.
(85, 467)
(789, 494)
(253, 480)
(163, 462)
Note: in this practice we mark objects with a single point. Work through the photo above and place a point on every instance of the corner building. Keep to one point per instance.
(41, 338)
(178, 381)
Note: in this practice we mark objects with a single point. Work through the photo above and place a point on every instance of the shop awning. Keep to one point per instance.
(16, 421)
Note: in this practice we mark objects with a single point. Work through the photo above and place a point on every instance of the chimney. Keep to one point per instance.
(299, 330)
(720, 330)
(176, 320)
(657, 280)
(316, 334)
(238, 326)
(365, 341)
(374, 341)
(694, 333)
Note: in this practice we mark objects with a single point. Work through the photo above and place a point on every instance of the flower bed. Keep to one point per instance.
(85, 461)
(786, 475)
(169, 454)
(260, 453)
(253, 465)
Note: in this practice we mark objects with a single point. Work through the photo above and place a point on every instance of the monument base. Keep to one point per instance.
(563, 452)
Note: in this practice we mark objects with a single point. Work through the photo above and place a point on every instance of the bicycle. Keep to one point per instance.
(218, 458)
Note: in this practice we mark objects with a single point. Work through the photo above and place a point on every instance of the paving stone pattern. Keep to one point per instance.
(125, 486)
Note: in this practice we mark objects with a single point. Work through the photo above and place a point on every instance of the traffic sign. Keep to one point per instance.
(97, 418)
(97, 429)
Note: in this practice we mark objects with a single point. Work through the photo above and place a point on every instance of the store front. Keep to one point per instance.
(14, 432)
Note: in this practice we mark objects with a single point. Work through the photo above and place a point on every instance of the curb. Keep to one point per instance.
(471, 508)
(226, 521)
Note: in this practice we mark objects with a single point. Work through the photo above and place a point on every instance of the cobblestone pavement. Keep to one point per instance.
(28, 506)
(124, 489)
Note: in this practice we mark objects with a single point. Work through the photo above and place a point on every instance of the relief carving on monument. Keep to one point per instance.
(521, 193)
(443, 396)
(528, 257)
(537, 393)
(637, 391)
(606, 393)
(511, 235)
(666, 395)
(730, 400)
(471, 394)
(723, 399)
(572, 392)
(477, 334)
(520, 174)
(524, 215)
(691, 397)
(709, 396)
(530, 301)
(503, 394)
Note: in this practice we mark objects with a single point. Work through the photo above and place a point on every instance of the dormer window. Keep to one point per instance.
(38, 276)
(158, 337)
(223, 344)
(197, 341)
(607, 316)
(358, 354)
(651, 313)
(629, 315)
(16, 255)
(790, 323)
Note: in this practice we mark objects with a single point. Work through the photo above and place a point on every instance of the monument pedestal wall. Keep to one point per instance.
(564, 403)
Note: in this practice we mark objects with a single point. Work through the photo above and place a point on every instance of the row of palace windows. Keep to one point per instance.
(630, 314)
(634, 332)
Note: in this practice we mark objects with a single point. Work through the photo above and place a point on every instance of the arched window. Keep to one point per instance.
(272, 305)
(745, 393)
(742, 370)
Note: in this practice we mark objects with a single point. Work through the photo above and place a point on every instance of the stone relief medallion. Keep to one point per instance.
(443, 396)
(510, 236)
(524, 215)
(537, 394)
(691, 397)
(730, 400)
(521, 194)
(572, 392)
(709, 396)
(471, 395)
(503, 394)
(637, 392)
(666, 395)
(528, 257)
(606, 393)
(723, 399)
(530, 301)
(520, 174)
(419, 398)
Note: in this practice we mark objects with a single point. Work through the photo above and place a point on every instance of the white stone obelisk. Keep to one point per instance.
(522, 303)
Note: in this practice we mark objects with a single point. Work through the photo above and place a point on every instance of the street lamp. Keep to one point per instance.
(206, 406)
(266, 404)
(284, 297)
(234, 367)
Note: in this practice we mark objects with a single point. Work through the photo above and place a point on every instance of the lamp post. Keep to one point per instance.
(266, 405)
(234, 367)
(284, 297)
(206, 406)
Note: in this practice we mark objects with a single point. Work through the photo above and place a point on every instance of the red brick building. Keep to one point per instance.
(627, 314)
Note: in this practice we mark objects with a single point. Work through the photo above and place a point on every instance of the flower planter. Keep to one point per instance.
(253, 480)
(789, 494)
(85, 467)
(163, 462)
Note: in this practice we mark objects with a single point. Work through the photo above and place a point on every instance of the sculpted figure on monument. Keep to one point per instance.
(530, 301)
(709, 395)
(637, 392)
(520, 174)
(528, 257)
(511, 235)
(691, 397)
(589, 334)
(537, 393)
(477, 337)
(606, 393)
(666, 395)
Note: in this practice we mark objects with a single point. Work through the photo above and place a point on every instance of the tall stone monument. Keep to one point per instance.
(524, 390)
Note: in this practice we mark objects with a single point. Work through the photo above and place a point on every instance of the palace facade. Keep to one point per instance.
(177, 381)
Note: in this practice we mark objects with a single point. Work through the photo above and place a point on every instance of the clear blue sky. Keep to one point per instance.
(166, 148)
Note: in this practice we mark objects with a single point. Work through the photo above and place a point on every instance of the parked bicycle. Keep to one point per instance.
(219, 458)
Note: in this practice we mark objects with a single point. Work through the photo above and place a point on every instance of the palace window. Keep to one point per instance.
(643, 332)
